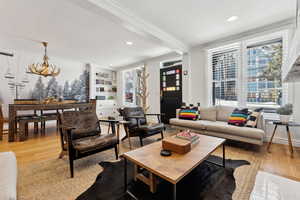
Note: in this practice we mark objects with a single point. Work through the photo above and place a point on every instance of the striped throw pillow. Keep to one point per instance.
(189, 114)
(238, 117)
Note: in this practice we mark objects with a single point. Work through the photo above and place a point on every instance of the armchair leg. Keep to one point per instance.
(162, 134)
(141, 141)
(116, 152)
(71, 166)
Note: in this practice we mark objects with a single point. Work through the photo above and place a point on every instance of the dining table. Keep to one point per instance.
(13, 110)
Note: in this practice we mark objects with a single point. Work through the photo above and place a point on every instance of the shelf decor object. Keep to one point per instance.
(44, 69)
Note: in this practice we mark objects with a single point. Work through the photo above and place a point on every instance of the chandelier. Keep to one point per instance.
(44, 69)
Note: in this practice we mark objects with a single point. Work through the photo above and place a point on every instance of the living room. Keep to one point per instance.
(149, 100)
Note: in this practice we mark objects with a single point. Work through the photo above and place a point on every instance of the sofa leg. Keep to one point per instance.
(71, 167)
(116, 152)
(141, 141)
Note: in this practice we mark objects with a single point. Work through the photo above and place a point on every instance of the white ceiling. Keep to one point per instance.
(73, 32)
(201, 21)
(85, 31)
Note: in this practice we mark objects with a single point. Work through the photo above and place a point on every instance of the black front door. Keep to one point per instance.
(170, 91)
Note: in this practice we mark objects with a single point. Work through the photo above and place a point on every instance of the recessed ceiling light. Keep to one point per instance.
(232, 18)
(129, 43)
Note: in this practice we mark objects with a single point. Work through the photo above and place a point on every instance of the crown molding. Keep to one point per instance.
(136, 24)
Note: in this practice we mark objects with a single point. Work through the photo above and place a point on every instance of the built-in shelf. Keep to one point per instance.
(102, 80)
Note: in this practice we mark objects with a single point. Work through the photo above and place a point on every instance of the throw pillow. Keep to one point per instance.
(238, 117)
(253, 118)
(189, 114)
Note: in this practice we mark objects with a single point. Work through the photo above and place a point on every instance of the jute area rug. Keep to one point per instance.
(51, 179)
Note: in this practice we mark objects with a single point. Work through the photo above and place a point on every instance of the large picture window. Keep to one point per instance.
(264, 73)
(247, 73)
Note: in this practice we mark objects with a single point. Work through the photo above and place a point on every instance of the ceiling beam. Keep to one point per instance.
(137, 24)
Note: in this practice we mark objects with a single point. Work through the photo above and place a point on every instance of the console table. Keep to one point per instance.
(14, 108)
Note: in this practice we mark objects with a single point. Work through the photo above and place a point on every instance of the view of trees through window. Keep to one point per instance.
(264, 74)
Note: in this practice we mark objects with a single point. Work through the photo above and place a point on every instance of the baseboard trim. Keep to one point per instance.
(278, 140)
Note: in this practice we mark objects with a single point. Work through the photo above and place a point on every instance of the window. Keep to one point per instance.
(129, 86)
(264, 71)
(132, 85)
(248, 73)
(224, 72)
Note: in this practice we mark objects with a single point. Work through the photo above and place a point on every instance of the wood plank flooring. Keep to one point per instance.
(39, 148)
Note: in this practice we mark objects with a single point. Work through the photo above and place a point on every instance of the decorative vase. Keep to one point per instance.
(285, 118)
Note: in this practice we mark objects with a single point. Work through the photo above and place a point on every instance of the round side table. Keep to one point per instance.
(287, 125)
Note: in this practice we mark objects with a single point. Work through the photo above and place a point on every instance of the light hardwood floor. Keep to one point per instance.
(278, 162)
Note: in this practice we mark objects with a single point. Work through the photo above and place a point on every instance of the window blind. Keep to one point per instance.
(224, 64)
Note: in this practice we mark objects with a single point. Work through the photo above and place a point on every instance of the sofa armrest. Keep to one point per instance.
(261, 122)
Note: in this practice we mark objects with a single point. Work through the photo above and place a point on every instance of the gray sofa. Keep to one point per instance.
(213, 122)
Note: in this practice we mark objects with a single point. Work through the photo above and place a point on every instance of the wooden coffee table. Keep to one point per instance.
(172, 168)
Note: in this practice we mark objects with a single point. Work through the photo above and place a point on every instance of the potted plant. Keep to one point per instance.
(285, 113)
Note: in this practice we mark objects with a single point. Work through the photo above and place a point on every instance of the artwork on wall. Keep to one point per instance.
(76, 89)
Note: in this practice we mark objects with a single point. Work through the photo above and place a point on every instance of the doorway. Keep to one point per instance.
(170, 91)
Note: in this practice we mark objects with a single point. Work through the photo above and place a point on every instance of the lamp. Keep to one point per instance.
(44, 69)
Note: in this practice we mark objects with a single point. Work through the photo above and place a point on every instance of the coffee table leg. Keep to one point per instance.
(174, 192)
(125, 174)
(224, 154)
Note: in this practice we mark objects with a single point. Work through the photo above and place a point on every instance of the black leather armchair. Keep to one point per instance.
(81, 135)
(138, 126)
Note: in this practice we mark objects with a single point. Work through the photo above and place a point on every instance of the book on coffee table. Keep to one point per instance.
(187, 135)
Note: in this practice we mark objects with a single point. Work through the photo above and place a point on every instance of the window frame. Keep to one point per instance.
(134, 103)
(243, 65)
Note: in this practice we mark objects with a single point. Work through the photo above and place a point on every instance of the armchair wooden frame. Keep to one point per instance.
(138, 119)
(68, 148)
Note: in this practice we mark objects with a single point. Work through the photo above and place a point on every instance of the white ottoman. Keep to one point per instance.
(8, 176)
(272, 187)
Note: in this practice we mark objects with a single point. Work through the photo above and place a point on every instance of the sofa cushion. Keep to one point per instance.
(187, 123)
(223, 113)
(8, 176)
(209, 114)
(223, 127)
